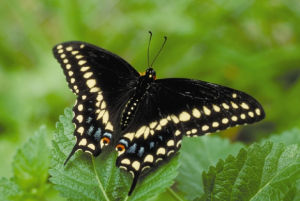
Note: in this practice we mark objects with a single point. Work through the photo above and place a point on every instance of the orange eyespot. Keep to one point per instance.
(105, 140)
(120, 147)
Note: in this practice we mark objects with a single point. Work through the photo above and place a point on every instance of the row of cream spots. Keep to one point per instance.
(148, 159)
(90, 82)
(184, 116)
(83, 142)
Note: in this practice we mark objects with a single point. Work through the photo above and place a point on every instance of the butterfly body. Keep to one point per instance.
(151, 115)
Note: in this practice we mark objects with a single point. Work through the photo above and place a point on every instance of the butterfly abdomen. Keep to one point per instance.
(141, 87)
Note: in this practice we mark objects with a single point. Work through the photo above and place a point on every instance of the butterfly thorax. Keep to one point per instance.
(141, 88)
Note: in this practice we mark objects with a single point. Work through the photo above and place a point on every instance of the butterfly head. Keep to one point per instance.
(150, 73)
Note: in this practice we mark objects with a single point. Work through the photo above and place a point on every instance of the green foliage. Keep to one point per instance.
(88, 178)
(30, 167)
(196, 155)
(267, 172)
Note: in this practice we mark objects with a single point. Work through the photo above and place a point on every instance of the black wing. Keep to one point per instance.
(103, 82)
(175, 107)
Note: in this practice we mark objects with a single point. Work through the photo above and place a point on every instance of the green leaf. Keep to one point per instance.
(30, 167)
(88, 178)
(287, 137)
(267, 172)
(31, 163)
(8, 188)
(197, 154)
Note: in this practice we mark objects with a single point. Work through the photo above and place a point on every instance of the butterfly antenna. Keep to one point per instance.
(149, 47)
(160, 50)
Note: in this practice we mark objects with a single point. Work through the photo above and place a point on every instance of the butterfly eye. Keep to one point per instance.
(120, 148)
(104, 141)
(154, 77)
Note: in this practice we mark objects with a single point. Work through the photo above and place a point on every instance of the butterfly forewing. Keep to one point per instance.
(97, 77)
(200, 107)
(92, 69)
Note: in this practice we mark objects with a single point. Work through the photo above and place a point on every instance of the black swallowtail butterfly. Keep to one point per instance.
(151, 114)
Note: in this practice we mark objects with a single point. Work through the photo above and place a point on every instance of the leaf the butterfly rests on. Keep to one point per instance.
(146, 117)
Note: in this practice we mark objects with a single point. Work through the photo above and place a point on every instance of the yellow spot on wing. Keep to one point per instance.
(91, 146)
(257, 111)
(245, 106)
(234, 118)
(59, 47)
(235, 106)
(205, 128)
(81, 62)
(129, 136)
(251, 114)
(140, 132)
(85, 68)
(215, 124)
(82, 142)
(175, 119)
(163, 122)
(80, 107)
(91, 83)
(161, 150)
(177, 132)
(184, 116)
(225, 106)
(126, 161)
(170, 143)
(87, 75)
(148, 158)
(109, 127)
(80, 130)
(136, 165)
(206, 110)
(153, 124)
(146, 133)
(216, 108)
(196, 113)
(243, 116)
(225, 121)
(79, 118)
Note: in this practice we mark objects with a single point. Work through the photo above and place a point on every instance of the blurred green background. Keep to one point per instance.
(252, 46)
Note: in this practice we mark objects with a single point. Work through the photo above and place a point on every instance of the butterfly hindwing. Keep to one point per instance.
(147, 140)
(97, 76)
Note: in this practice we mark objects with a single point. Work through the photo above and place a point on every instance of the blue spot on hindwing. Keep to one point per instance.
(151, 145)
(132, 149)
(141, 151)
(89, 119)
(97, 134)
(160, 137)
(90, 130)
